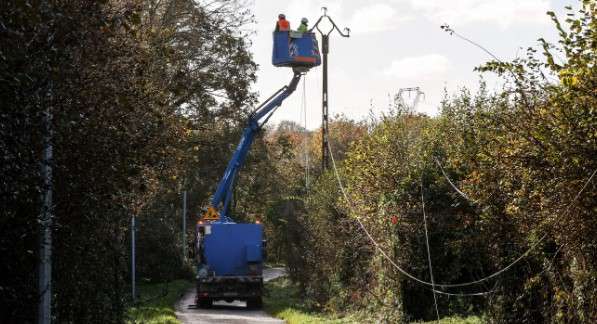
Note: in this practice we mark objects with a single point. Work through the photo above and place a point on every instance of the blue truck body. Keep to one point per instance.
(230, 248)
(230, 255)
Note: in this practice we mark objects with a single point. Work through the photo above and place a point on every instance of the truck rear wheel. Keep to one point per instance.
(255, 303)
(204, 302)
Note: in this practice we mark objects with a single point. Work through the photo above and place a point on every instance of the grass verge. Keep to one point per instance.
(156, 303)
(282, 300)
(457, 320)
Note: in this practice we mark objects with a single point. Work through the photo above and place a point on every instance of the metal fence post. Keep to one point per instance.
(184, 225)
(133, 281)
(45, 242)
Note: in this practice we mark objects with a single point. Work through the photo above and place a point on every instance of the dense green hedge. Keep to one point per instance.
(521, 156)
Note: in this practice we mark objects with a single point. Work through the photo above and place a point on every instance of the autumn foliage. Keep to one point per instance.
(149, 99)
(524, 161)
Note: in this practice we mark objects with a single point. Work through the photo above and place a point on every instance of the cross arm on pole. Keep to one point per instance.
(343, 32)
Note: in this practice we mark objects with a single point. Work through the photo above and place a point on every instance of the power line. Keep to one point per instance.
(373, 241)
(429, 257)
(465, 196)
(306, 132)
(448, 29)
(428, 251)
(423, 282)
(451, 31)
(485, 293)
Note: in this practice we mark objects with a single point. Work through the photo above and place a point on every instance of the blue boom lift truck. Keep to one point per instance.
(230, 255)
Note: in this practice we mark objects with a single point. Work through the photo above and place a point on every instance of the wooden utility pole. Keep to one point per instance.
(325, 49)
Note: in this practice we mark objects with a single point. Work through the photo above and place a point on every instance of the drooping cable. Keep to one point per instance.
(484, 293)
(475, 202)
(465, 196)
(382, 252)
(441, 285)
(306, 132)
(451, 31)
(428, 250)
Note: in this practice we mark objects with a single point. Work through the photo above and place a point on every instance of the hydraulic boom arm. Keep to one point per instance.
(218, 209)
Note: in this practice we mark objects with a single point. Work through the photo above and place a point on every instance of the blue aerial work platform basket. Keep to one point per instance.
(294, 49)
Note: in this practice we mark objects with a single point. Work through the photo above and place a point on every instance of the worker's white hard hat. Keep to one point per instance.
(304, 20)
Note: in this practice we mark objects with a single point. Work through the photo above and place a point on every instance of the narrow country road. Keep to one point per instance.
(222, 312)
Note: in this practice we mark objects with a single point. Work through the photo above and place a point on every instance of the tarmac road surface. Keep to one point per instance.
(235, 312)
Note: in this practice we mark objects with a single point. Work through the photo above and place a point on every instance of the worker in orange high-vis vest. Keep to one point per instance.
(282, 24)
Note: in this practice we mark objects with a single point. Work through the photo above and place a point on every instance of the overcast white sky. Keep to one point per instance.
(396, 44)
